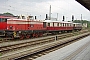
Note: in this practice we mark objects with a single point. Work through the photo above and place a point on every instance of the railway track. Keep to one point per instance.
(47, 50)
(14, 47)
(28, 40)
(38, 43)
(36, 55)
(11, 40)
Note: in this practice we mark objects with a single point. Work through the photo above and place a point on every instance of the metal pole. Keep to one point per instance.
(81, 20)
(55, 38)
(57, 16)
(40, 17)
(50, 13)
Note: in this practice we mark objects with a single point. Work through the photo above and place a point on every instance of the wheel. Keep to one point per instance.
(36, 35)
(12, 37)
(27, 36)
(41, 34)
(33, 35)
(21, 37)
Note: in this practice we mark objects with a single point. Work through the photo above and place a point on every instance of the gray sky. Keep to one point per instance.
(41, 7)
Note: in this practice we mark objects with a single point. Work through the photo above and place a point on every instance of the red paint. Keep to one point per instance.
(25, 27)
(3, 25)
(59, 28)
(4, 17)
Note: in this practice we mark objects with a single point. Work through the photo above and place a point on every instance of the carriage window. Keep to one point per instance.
(53, 24)
(0, 19)
(3, 20)
(63, 24)
(74, 25)
(48, 24)
(66, 24)
(70, 25)
(57, 24)
(44, 24)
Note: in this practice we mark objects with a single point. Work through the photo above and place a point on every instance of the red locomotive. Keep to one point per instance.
(3, 24)
(25, 28)
(28, 27)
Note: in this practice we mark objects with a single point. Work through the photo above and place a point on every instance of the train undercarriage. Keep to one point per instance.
(21, 34)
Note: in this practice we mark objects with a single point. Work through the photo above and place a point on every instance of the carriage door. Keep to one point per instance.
(44, 24)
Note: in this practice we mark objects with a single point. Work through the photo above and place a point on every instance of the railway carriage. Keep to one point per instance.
(57, 26)
(3, 24)
(77, 26)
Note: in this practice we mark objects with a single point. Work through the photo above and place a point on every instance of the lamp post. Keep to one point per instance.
(57, 16)
(40, 17)
(81, 20)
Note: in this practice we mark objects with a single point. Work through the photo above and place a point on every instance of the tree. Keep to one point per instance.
(83, 21)
(8, 14)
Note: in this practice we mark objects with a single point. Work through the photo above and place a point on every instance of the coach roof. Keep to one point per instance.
(56, 21)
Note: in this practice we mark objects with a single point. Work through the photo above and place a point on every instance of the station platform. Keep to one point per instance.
(79, 50)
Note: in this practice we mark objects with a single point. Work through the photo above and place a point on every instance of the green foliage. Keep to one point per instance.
(83, 21)
(77, 21)
(7, 13)
(88, 24)
(0, 54)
